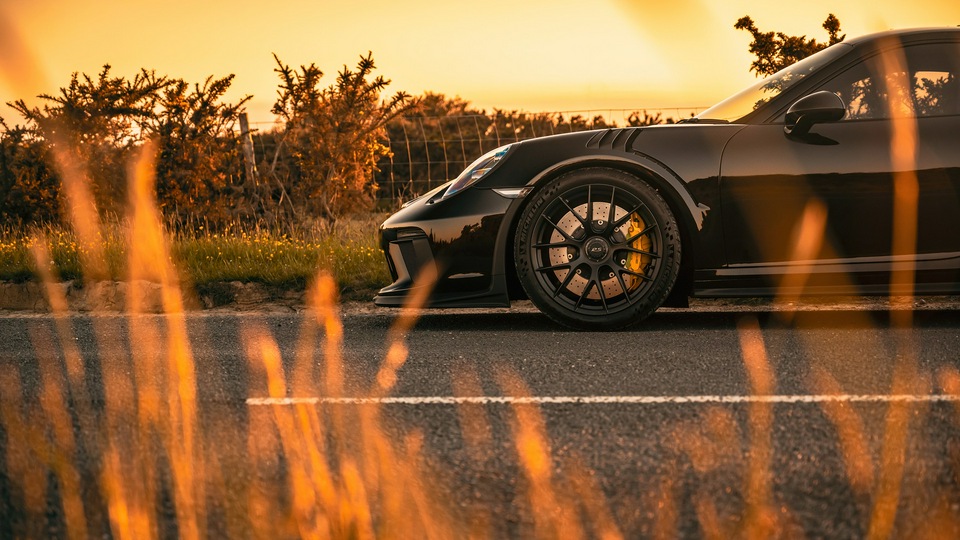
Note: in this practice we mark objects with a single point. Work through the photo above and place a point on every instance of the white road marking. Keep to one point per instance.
(601, 400)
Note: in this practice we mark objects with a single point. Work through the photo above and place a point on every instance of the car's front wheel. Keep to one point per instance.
(597, 249)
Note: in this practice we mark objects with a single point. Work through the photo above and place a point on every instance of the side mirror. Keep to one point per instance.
(816, 108)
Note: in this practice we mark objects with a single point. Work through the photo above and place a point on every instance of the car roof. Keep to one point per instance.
(907, 34)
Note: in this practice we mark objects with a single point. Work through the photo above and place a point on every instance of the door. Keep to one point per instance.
(842, 175)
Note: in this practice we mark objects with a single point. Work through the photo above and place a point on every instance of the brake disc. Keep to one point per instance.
(635, 262)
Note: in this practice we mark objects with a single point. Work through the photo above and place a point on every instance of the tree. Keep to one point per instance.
(323, 164)
(200, 165)
(643, 118)
(98, 123)
(95, 121)
(29, 188)
(776, 50)
(332, 137)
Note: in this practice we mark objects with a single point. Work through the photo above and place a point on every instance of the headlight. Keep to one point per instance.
(432, 194)
(477, 170)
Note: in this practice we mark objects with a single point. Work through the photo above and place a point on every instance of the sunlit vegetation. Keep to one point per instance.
(99, 122)
(16, 261)
(777, 50)
(357, 263)
(337, 149)
(349, 253)
(332, 138)
(320, 165)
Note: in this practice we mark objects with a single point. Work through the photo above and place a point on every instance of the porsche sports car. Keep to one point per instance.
(834, 176)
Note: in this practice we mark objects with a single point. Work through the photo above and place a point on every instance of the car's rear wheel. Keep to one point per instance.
(597, 249)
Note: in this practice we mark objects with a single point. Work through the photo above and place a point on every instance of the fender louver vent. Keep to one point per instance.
(614, 139)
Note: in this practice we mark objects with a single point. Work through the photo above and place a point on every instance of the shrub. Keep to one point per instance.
(331, 139)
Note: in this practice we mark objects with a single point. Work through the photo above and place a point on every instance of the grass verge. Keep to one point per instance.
(349, 252)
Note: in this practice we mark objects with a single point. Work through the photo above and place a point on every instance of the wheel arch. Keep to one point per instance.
(688, 213)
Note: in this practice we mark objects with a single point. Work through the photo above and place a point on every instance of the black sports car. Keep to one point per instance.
(833, 176)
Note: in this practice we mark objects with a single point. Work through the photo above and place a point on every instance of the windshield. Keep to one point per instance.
(746, 101)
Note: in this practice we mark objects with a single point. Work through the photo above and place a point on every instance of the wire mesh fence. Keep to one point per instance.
(426, 151)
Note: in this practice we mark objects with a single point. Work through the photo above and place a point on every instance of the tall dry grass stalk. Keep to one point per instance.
(760, 519)
(336, 471)
(903, 155)
(341, 471)
(349, 471)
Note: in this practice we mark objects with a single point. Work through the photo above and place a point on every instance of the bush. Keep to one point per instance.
(29, 189)
(332, 139)
(200, 168)
(96, 124)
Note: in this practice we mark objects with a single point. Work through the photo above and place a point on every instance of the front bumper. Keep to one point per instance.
(460, 238)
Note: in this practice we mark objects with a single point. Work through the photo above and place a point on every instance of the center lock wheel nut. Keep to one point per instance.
(597, 249)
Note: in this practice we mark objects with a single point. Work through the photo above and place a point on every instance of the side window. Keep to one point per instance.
(935, 73)
(861, 91)
(924, 82)
(936, 92)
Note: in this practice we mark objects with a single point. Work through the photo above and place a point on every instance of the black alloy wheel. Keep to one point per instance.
(597, 249)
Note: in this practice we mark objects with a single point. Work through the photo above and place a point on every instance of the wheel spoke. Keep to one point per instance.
(583, 295)
(624, 219)
(623, 285)
(639, 251)
(581, 219)
(559, 230)
(566, 281)
(589, 205)
(612, 212)
(554, 267)
(637, 274)
(640, 234)
(603, 297)
(556, 245)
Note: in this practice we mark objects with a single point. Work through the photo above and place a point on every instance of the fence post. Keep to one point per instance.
(248, 158)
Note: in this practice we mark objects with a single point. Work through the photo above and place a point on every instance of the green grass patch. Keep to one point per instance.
(349, 252)
(17, 260)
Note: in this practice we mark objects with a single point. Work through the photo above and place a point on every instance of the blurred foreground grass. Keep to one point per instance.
(349, 252)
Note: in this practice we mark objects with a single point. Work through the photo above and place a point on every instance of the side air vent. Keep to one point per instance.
(407, 233)
(614, 139)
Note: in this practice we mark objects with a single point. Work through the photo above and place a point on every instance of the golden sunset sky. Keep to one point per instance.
(534, 55)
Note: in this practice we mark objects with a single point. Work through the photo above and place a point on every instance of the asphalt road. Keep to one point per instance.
(665, 417)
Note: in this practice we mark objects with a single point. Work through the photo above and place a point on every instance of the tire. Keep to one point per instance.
(597, 249)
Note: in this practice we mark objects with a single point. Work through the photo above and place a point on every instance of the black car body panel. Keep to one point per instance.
(457, 239)
(738, 190)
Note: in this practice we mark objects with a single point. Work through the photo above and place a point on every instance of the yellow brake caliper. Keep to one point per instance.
(636, 262)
